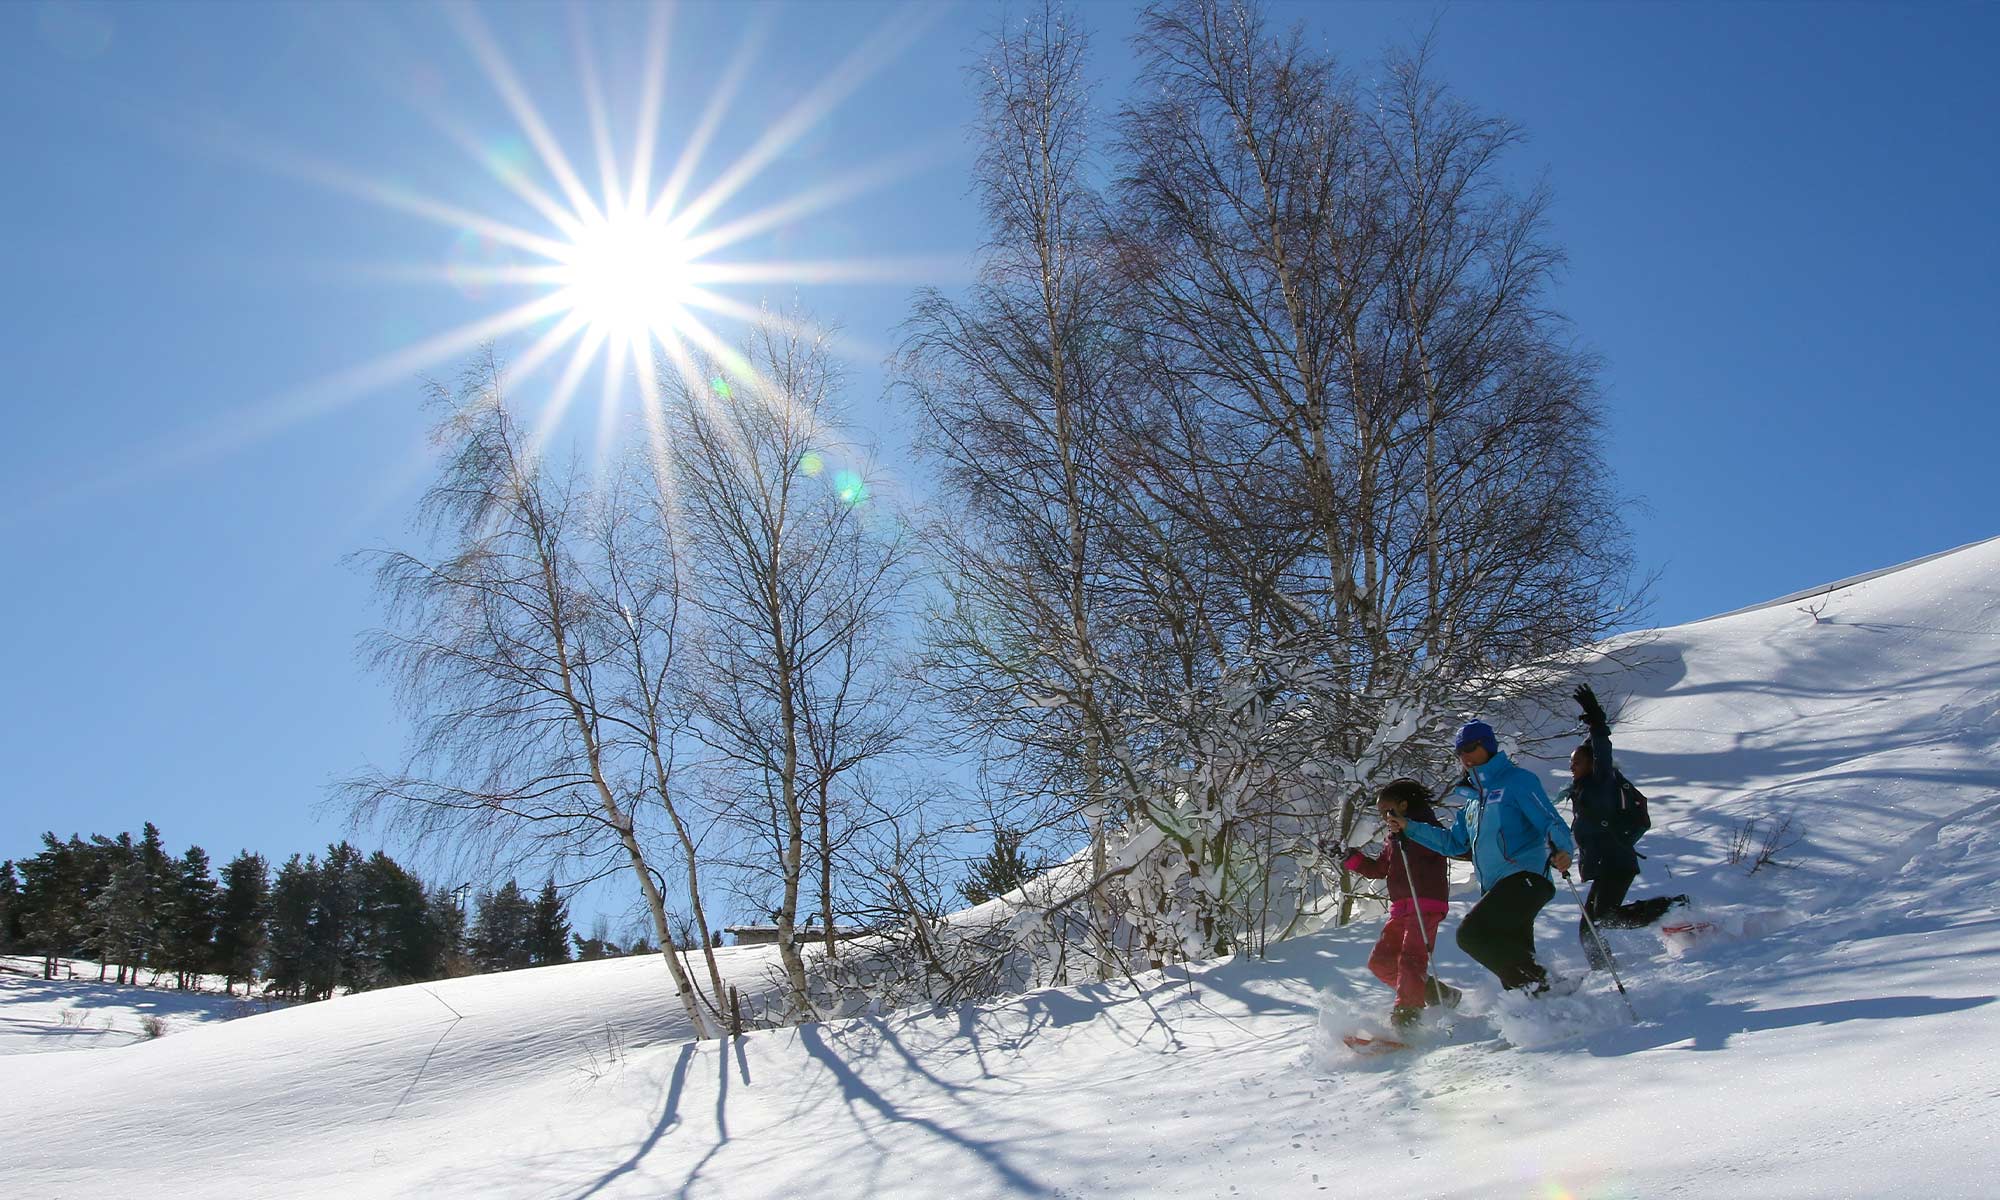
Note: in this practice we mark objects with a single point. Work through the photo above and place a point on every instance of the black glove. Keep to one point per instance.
(1593, 712)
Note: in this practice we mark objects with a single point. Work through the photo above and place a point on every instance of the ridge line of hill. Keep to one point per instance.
(1850, 581)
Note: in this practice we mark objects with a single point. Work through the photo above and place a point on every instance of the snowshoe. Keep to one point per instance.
(1687, 928)
(1683, 931)
(1368, 1044)
(1641, 913)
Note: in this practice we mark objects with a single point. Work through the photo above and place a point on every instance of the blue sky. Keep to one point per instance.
(1779, 221)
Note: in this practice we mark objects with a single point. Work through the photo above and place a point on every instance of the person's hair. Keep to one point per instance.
(1414, 795)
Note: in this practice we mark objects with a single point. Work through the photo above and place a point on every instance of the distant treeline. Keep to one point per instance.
(323, 924)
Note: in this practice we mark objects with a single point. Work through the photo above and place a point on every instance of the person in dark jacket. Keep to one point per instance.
(1606, 857)
(1514, 836)
(1417, 904)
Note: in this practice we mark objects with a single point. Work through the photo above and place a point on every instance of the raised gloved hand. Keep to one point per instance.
(1593, 712)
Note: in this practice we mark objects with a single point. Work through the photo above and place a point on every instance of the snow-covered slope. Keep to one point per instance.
(1836, 1039)
(74, 1011)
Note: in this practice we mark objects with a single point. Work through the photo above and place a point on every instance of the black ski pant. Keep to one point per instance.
(1499, 931)
(1605, 907)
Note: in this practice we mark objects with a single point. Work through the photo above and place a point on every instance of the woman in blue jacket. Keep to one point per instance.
(1508, 826)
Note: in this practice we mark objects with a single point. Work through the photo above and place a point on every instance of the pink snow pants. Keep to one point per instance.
(1402, 958)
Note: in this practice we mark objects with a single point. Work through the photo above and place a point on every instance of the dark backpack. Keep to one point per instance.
(1630, 819)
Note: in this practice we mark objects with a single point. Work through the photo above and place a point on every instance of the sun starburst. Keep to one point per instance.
(626, 275)
(619, 276)
(634, 268)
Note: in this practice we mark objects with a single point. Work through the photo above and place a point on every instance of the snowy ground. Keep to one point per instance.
(76, 1012)
(1835, 1038)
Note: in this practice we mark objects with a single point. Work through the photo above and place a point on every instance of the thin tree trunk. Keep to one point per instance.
(792, 856)
(614, 814)
(686, 839)
(826, 861)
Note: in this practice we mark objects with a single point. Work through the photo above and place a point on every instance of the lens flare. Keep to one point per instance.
(474, 262)
(510, 158)
(849, 487)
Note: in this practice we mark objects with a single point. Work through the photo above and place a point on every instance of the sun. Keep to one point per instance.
(630, 273)
(626, 277)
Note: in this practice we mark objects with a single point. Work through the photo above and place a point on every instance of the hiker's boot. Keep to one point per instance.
(1534, 982)
(1437, 991)
(1404, 1017)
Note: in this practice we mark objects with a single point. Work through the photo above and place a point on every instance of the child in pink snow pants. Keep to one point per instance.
(1417, 905)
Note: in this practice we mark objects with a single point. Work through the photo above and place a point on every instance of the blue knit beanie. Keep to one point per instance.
(1476, 733)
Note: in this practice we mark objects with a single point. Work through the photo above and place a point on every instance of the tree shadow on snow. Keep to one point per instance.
(669, 1117)
(859, 1094)
(84, 994)
(1010, 1024)
(836, 1053)
(1711, 1025)
(885, 1036)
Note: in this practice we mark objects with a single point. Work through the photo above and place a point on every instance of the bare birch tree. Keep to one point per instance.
(1345, 306)
(796, 590)
(1010, 386)
(509, 669)
(635, 572)
(1263, 470)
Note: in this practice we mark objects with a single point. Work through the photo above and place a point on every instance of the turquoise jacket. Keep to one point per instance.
(1507, 824)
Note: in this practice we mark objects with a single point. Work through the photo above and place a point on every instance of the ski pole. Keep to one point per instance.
(1430, 951)
(1602, 948)
(1410, 875)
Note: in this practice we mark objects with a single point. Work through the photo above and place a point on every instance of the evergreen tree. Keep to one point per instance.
(187, 935)
(339, 938)
(503, 929)
(445, 917)
(53, 915)
(598, 944)
(1001, 871)
(400, 943)
(242, 931)
(10, 908)
(322, 925)
(549, 940)
(294, 905)
(119, 923)
(154, 885)
(590, 949)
